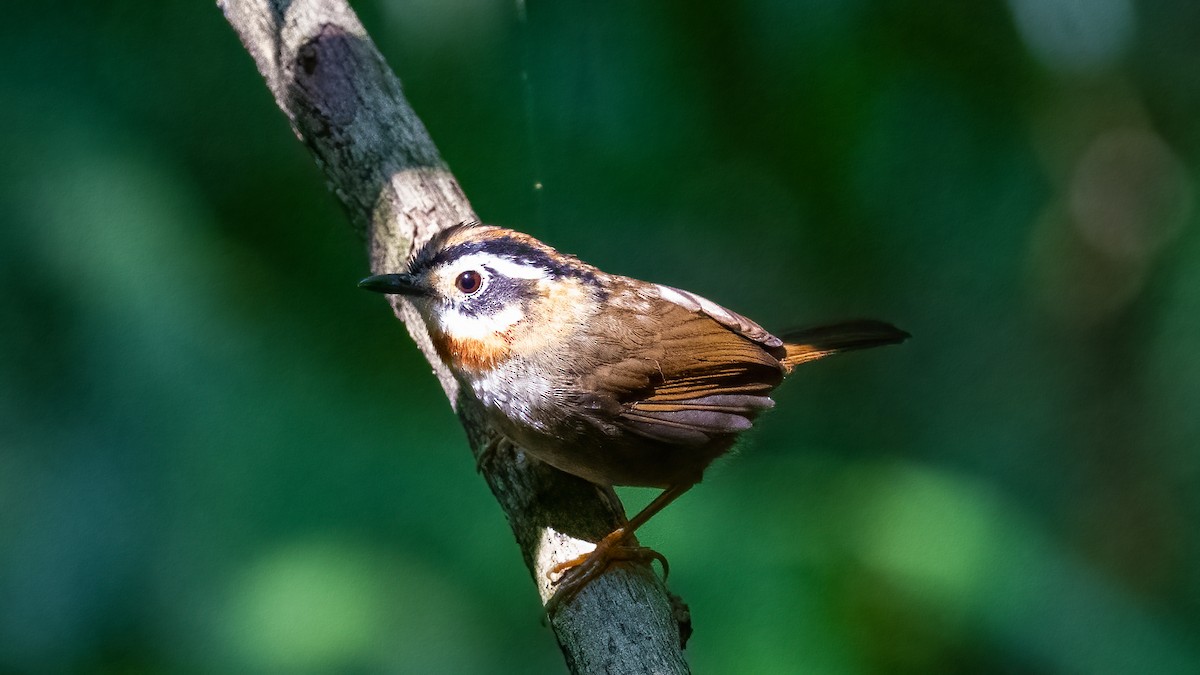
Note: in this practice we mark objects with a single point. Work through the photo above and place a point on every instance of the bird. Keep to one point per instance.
(618, 381)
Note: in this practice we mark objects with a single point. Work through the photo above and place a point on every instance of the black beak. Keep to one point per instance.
(396, 284)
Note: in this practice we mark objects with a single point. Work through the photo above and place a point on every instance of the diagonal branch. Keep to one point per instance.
(347, 107)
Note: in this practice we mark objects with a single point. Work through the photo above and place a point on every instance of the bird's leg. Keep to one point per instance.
(580, 571)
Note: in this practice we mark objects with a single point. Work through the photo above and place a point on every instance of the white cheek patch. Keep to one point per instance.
(464, 326)
(461, 325)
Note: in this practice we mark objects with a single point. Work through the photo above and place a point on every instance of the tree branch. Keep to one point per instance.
(347, 107)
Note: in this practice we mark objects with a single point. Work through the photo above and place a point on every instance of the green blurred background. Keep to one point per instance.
(218, 455)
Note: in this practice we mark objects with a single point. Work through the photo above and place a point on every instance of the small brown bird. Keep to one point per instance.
(614, 380)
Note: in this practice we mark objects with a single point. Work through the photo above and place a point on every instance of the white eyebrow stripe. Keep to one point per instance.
(503, 266)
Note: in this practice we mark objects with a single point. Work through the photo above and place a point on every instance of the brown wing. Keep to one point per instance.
(731, 320)
(685, 377)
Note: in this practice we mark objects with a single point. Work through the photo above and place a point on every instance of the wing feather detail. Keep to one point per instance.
(690, 375)
(731, 320)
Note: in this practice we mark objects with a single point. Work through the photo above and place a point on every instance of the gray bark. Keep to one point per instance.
(347, 107)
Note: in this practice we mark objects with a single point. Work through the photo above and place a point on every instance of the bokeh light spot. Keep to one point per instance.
(926, 530)
(1075, 36)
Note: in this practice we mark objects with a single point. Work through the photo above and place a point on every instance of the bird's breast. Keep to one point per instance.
(521, 398)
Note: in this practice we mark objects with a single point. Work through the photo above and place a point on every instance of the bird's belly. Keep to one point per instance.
(622, 458)
(532, 413)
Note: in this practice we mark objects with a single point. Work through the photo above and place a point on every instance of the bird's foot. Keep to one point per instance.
(483, 463)
(579, 572)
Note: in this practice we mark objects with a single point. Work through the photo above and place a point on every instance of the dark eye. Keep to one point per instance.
(468, 282)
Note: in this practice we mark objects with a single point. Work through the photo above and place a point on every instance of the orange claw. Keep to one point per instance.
(582, 570)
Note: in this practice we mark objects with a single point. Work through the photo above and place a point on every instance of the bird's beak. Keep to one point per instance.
(397, 284)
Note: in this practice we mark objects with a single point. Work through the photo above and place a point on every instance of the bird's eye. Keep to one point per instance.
(468, 282)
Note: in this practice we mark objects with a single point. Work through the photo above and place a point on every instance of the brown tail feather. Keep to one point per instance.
(817, 343)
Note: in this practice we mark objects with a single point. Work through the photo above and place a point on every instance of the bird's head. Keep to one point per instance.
(487, 291)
